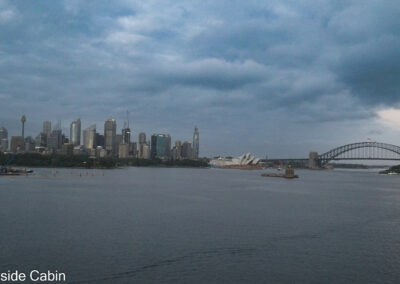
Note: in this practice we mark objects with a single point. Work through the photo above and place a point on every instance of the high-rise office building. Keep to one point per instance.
(99, 140)
(75, 133)
(67, 149)
(118, 141)
(89, 137)
(142, 141)
(3, 139)
(3, 133)
(123, 150)
(47, 127)
(142, 138)
(126, 135)
(187, 150)
(160, 146)
(145, 154)
(176, 150)
(29, 144)
(17, 142)
(41, 140)
(196, 143)
(110, 135)
(3, 145)
(55, 140)
(133, 152)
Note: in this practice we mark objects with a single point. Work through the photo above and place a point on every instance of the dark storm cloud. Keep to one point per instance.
(223, 65)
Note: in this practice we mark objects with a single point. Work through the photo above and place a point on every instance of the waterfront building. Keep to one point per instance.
(160, 146)
(196, 143)
(75, 132)
(17, 143)
(110, 133)
(187, 150)
(55, 140)
(47, 127)
(89, 136)
(244, 160)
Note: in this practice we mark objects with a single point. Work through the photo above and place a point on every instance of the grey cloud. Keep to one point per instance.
(231, 67)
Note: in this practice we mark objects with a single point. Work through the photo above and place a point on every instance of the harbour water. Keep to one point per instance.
(170, 225)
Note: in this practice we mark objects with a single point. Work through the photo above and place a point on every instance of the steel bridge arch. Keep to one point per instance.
(334, 153)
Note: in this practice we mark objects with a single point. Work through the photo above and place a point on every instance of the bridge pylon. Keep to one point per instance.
(313, 161)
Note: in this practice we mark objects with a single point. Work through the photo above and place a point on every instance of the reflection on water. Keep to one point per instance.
(173, 225)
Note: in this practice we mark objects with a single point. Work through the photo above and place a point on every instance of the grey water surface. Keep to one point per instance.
(174, 225)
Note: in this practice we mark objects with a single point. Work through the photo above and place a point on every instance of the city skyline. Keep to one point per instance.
(112, 144)
(280, 78)
(66, 129)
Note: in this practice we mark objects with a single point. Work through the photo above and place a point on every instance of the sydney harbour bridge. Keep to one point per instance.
(355, 151)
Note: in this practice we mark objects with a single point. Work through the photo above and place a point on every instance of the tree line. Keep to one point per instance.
(85, 161)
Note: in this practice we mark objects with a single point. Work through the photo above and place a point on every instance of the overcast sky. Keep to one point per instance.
(277, 78)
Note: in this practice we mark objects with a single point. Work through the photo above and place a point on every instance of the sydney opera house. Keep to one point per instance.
(245, 161)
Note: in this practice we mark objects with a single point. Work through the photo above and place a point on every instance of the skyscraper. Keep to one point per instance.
(89, 137)
(187, 150)
(54, 141)
(196, 143)
(126, 135)
(17, 143)
(110, 132)
(41, 140)
(3, 139)
(160, 146)
(176, 150)
(145, 154)
(99, 140)
(75, 133)
(47, 127)
(3, 133)
(142, 138)
(142, 142)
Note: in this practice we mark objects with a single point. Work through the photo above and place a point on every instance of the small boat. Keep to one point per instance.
(14, 172)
